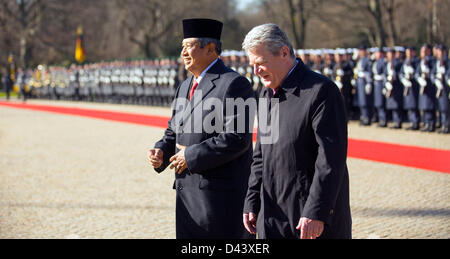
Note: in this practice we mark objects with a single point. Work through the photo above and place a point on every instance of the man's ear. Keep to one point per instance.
(285, 52)
(211, 48)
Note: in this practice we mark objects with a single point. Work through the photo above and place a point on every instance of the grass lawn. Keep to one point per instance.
(11, 94)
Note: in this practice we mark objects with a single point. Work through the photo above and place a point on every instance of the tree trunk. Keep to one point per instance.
(303, 23)
(23, 34)
(390, 12)
(293, 18)
(375, 10)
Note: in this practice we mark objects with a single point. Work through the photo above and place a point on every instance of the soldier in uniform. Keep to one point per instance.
(317, 65)
(22, 81)
(447, 83)
(7, 83)
(399, 54)
(173, 79)
(148, 70)
(427, 92)
(10, 76)
(182, 72)
(105, 82)
(342, 73)
(364, 92)
(328, 64)
(77, 82)
(411, 88)
(378, 71)
(438, 74)
(307, 58)
(394, 89)
(351, 56)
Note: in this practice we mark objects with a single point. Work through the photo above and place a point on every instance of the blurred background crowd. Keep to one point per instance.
(126, 51)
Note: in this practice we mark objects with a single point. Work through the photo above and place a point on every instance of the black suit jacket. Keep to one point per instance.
(211, 192)
(304, 172)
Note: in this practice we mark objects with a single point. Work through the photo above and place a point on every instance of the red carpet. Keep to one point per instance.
(418, 157)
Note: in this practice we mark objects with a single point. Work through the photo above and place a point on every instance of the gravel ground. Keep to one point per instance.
(72, 177)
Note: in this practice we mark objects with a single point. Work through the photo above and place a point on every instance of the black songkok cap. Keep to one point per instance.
(202, 28)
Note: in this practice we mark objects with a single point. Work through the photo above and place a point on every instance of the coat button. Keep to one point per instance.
(180, 187)
(331, 212)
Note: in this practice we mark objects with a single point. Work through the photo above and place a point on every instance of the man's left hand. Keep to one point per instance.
(178, 161)
(310, 228)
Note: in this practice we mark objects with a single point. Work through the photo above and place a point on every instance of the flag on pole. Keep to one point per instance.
(80, 55)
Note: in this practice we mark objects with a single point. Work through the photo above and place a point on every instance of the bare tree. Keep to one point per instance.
(148, 22)
(390, 8)
(301, 12)
(27, 14)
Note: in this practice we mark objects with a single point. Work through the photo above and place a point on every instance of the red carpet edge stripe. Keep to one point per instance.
(411, 156)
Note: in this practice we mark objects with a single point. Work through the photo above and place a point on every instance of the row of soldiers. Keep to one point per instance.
(404, 88)
(378, 84)
(145, 82)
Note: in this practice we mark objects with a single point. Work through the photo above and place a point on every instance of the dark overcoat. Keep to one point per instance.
(410, 95)
(428, 95)
(442, 99)
(379, 75)
(210, 194)
(303, 171)
(365, 77)
(395, 100)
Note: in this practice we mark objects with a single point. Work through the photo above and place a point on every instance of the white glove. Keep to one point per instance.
(406, 82)
(353, 82)
(438, 84)
(422, 82)
(339, 84)
(388, 86)
(448, 82)
(409, 70)
(378, 77)
(368, 89)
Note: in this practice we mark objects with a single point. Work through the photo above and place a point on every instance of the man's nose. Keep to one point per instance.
(183, 52)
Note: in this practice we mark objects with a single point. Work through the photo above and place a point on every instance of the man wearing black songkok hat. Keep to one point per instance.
(212, 167)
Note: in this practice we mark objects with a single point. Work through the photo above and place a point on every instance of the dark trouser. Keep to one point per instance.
(381, 111)
(413, 116)
(366, 113)
(24, 94)
(429, 117)
(397, 116)
(444, 118)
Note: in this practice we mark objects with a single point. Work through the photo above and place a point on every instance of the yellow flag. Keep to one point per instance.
(80, 55)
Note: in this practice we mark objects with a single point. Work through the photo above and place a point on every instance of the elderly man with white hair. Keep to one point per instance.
(299, 183)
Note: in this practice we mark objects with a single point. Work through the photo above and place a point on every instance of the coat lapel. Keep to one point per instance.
(184, 91)
(206, 86)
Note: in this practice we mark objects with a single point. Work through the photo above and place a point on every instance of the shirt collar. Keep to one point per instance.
(200, 77)
(290, 71)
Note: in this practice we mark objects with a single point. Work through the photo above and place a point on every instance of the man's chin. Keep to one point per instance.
(267, 84)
